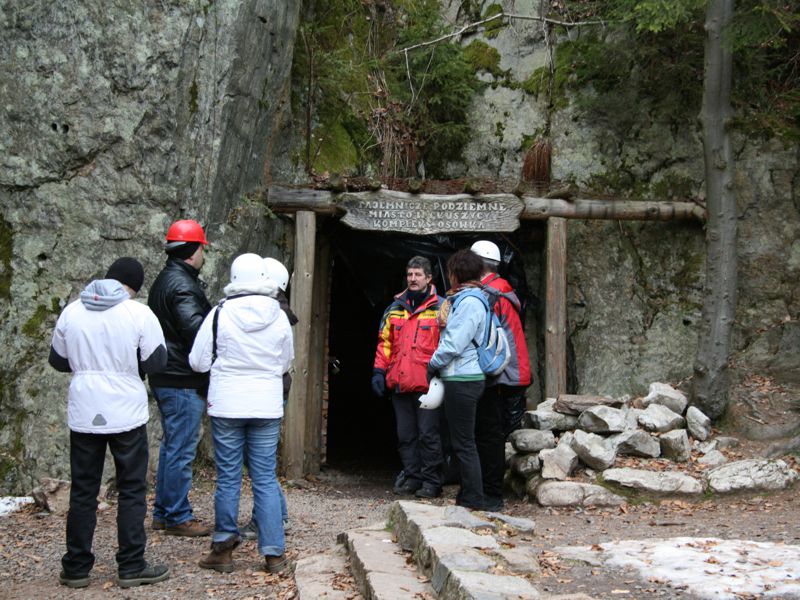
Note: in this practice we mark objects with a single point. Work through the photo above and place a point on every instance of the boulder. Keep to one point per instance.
(602, 419)
(657, 482)
(666, 395)
(52, 495)
(558, 463)
(525, 464)
(593, 450)
(546, 418)
(635, 442)
(571, 404)
(532, 440)
(675, 445)
(751, 474)
(657, 417)
(571, 493)
(698, 423)
(713, 458)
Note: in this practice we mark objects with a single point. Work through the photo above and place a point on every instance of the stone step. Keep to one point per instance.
(458, 550)
(381, 568)
(321, 575)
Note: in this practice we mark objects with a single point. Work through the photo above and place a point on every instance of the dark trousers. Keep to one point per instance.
(87, 454)
(418, 440)
(460, 405)
(491, 440)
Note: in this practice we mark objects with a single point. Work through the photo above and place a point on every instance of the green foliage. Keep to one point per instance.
(483, 57)
(351, 78)
(493, 28)
(651, 55)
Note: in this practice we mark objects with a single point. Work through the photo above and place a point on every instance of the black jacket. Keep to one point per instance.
(180, 304)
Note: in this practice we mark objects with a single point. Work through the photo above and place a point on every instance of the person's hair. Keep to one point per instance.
(490, 265)
(465, 266)
(420, 262)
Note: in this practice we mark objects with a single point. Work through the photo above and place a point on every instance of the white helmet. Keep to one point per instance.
(486, 249)
(277, 272)
(435, 395)
(248, 268)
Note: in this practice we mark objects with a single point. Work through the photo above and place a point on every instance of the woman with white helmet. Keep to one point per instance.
(246, 343)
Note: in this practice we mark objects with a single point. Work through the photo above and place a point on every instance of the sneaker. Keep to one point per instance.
(275, 564)
(409, 488)
(158, 525)
(150, 574)
(492, 504)
(73, 582)
(428, 491)
(249, 531)
(190, 528)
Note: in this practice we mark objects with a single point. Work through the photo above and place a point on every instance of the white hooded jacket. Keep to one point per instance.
(254, 349)
(106, 339)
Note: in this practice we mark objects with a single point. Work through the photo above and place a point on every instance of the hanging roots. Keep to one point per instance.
(536, 168)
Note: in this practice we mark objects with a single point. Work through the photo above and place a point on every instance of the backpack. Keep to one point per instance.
(493, 351)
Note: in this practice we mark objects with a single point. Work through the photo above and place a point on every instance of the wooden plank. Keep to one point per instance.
(318, 362)
(555, 335)
(301, 303)
(370, 206)
(424, 214)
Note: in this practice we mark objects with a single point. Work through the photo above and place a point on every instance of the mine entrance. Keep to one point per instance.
(368, 270)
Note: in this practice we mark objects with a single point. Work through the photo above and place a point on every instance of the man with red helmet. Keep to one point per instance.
(178, 300)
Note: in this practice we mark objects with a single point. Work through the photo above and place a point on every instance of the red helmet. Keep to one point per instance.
(186, 230)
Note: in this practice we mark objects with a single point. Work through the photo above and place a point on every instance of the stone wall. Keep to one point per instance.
(119, 118)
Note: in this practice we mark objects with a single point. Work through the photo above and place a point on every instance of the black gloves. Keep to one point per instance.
(379, 383)
(430, 372)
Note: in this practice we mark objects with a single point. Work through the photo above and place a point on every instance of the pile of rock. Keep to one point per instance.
(569, 444)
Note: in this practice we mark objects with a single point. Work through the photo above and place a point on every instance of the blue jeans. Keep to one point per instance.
(258, 438)
(181, 411)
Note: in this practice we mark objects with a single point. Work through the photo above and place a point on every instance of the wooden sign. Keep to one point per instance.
(424, 214)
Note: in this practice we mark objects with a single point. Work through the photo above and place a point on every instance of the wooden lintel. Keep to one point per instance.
(289, 200)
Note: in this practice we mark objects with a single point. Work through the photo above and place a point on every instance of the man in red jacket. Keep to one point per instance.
(407, 337)
(501, 407)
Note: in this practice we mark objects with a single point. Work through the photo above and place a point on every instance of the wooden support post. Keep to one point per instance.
(318, 357)
(302, 304)
(555, 336)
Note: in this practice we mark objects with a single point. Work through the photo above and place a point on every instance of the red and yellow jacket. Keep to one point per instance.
(406, 341)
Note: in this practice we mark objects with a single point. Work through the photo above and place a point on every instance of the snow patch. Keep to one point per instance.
(712, 568)
(9, 504)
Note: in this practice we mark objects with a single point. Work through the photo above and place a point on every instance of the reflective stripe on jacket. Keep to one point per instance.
(406, 340)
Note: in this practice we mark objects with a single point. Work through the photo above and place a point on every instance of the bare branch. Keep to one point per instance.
(500, 15)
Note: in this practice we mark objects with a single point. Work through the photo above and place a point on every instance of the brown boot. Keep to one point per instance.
(275, 564)
(221, 556)
(191, 528)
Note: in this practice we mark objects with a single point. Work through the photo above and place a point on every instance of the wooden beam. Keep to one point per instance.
(287, 200)
(555, 334)
(318, 357)
(297, 410)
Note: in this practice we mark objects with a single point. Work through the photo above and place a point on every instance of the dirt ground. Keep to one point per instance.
(31, 543)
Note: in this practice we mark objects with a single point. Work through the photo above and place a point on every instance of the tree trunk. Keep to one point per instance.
(711, 375)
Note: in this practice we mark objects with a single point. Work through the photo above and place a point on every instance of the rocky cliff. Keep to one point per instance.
(118, 118)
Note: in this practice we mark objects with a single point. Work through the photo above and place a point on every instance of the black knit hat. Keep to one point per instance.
(127, 271)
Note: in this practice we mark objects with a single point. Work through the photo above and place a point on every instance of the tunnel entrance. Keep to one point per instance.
(368, 269)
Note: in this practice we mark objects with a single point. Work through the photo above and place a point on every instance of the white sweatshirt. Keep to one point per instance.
(103, 338)
(254, 349)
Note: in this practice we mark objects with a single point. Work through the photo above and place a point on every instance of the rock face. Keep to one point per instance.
(120, 119)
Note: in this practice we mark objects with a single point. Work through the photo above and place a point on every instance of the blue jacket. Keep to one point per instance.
(456, 358)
